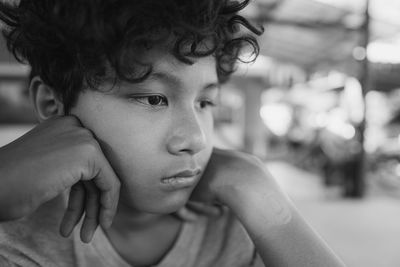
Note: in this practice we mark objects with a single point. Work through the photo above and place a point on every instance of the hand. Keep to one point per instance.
(57, 155)
(226, 171)
(279, 233)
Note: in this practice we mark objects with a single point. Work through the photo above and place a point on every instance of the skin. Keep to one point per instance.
(175, 132)
(145, 137)
(168, 119)
(281, 235)
(53, 144)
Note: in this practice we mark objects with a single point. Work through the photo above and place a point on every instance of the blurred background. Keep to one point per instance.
(321, 107)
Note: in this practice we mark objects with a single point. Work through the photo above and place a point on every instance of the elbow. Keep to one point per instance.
(12, 213)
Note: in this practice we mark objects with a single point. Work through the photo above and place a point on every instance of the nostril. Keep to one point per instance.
(190, 143)
(188, 133)
(197, 144)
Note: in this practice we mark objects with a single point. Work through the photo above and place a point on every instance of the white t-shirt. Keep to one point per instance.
(209, 241)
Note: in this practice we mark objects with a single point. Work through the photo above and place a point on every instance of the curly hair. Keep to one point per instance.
(72, 45)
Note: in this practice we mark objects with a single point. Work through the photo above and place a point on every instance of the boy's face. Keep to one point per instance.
(156, 130)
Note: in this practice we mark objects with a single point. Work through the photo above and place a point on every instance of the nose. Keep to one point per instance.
(187, 135)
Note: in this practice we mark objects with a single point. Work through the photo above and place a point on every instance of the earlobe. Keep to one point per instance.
(45, 100)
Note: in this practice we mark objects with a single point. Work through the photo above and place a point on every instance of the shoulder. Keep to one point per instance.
(226, 227)
(34, 240)
(226, 239)
(4, 262)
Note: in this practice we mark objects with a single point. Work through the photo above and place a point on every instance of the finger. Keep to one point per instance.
(205, 208)
(92, 208)
(74, 210)
(107, 182)
(186, 215)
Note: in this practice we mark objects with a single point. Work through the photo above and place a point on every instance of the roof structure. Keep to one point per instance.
(316, 35)
(328, 34)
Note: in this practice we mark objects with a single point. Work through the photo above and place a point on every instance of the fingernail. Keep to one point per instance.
(106, 223)
(65, 229)
(87, 236)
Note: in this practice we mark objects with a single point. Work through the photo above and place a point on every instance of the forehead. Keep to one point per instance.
(168, 70)
(203, 68)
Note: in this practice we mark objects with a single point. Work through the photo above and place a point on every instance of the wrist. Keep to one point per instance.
(258, 205)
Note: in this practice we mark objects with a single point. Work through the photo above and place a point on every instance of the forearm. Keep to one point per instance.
(7, 211)
(280, 234)
(10, 207)
(20, 184)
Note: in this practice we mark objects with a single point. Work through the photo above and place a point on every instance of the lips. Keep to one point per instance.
(184, 178)
(187, 173)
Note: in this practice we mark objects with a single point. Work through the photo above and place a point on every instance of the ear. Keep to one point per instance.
(45, 100)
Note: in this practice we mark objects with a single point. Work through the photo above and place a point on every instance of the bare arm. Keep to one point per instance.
(280, 234)
(57, 155)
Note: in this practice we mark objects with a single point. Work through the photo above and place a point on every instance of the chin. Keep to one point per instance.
(172, 203)
(168, 203)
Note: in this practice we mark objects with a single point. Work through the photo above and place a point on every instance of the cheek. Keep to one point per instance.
(127, 140)
(129, 147)
(208, 128)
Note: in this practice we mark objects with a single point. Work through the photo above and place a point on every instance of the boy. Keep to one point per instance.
(124, 92)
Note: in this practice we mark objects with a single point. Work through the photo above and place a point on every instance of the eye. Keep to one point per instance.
(207, 103)
(151, 100)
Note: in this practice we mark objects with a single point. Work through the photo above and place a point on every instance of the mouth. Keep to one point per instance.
(187, 178)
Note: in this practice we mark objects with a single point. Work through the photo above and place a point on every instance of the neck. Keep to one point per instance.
(128, 219)
(150, 235)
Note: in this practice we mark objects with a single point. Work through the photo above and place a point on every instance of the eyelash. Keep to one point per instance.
(140, 98)
(204, 103)
(208, 103)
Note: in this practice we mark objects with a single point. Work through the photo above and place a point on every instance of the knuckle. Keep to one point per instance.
(85, 133)
(71, 120)
(90, 146)
(67, 123)
(91, 215)
(73, 209)
(77, 188)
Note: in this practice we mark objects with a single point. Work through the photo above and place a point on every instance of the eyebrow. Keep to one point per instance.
(174, 81)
